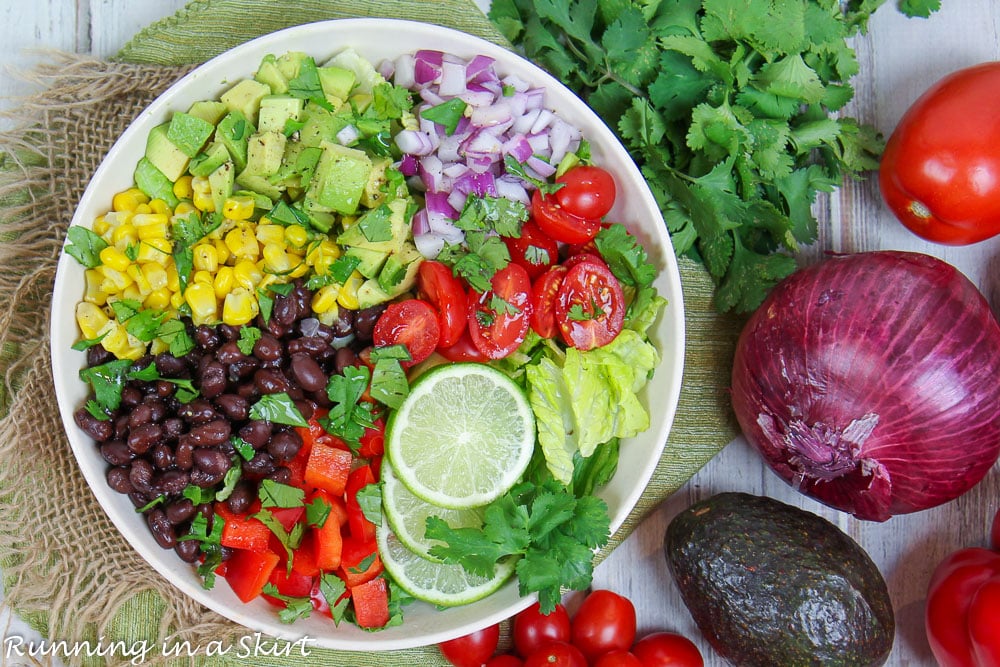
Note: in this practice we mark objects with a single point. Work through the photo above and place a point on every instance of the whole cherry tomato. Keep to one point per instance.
(463, 350)
(962, 617)
(604, 622)
(533, 629)
(505, 660)
(472, 650)
(590, 305)
(940, 172)
(556, 654)
(588, 192)
(667, 649)
(617, 658)
(560, 224)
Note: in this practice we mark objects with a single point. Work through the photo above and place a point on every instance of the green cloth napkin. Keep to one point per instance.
(200, 31)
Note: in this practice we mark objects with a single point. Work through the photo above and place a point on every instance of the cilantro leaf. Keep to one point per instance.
(276, 494)
(334, 590)
(84, 246)
(447, 114)
(278, 408)
(295, 607)
(248, 338)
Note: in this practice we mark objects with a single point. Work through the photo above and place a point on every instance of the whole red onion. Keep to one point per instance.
(871, 382)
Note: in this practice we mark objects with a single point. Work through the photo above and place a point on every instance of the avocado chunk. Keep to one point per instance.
(210, 111)
(336, 82)
(210, 159)
(164, 154)
(245, 97)
(770, 584)
(399, 273)
(189, 133)
(276, 110)
(234, 132)
(370, 294)
(383, 229)
(269, 74)
(319, 125)
(153, 183)
(290, 63)
(369, 261)
(221, 181)
(264, 153)
(340, 178)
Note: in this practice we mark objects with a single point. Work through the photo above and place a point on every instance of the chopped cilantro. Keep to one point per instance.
(85, 246)
(279, 409)
(248, 338)
(376, 225)
(334, 591)
(317, 512)
(276, 494)
(295, 607)
(447, 114)
(516, 168)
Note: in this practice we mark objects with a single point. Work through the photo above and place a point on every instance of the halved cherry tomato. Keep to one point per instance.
(471, 650)
(543, 301)
(534, 250)
(534, 630)
(498, 319)
(559, 223)
(590, 306)
(556, 654)
(463, 350)
(412, 323)
(667, 649)
(439, 286)
(589, 192)
(593, 257)
(604, 622)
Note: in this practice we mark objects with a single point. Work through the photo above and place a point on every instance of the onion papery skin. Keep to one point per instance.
(871, 382)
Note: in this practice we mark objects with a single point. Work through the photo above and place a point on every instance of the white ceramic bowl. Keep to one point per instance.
(375, 39)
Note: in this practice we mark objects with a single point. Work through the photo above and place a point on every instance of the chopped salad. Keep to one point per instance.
(292, 256)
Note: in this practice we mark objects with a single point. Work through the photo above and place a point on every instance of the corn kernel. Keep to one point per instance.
(201, 184)
(203, 277)
(158, 299)
(270, 234)
(246, 274)
(155, 275)
(143, 208)
(182, 187)
(224, 283)
(114, 258)
(184, 208)
(239, 207)
(101, 225)
(123, 235)
(176, 300)
(128, 200)
(134, 272)
(159, 206)
(154, 251)
(158, 346)
(300, 270)
(203, 202)
(238, 307)
(151, 225)
(242, 243)
(206, 258)
(325, 298)
(269, 279)
(91, 319)
(173, 278)
(222, 251)
(276, 260)
(201, 298)
(348, 297)
(132, 292)
(92, 279)
(115, 339)
(114, 281)
(296, 235)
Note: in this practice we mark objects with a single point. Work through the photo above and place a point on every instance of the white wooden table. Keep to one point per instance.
(899, 58)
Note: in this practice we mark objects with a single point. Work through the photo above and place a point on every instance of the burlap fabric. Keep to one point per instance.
(67, 569)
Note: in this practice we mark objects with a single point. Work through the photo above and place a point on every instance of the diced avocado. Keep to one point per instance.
(264, 153)
(383, 229)
(289, 64)
(234, 131)
(399, 273)
(297, 165)
(210, 159)
(321, 220)
(371, 261)
(364, 72)
(189, 133)
(336, 82)
(209, 111)
(153, 183)
(374, 193)
(262, 202)
(276, 110)
(221, 181)
(319, 125)
(259, 184)
(268, 73)
(370, 294)
(164, 154)
(340, 178)
(245, 97)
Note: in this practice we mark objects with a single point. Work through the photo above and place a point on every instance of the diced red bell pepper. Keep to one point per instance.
(372, 441)
(338, 512)
(241, 531)
(304, 561)
(328, 538)
(248, 571)
(287, 516)
(328, 468)
(371, 603)
(360, 527)
(295, 585)
(359, 561)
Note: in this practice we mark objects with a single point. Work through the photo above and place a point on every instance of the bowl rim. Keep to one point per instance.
(233, 63)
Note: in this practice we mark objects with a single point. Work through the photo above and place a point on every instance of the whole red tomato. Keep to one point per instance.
(505, 660)
(472, 650)
(940, 172)
(604, 622)
(667, 649)
(533, 629)
(962, 617)
(556, 654)
(617, 658)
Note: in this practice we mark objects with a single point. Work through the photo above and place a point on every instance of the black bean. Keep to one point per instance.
(229, 353)
(142, 414)
(198, 411)
(228, 331)
(267, 348)
(117, 453)
(314, 346)
(131, 397)
(233, 406)
(168, 365)
(172, 482)
(213, 433)
(207, 338)
(187, 550)
(118, 479)
(306, 406)
(248, 391)
(205, 479)
(163, 389)
(341, 327)
(270, 381)
(344, 358)
(303, 299)
(139, 499)
(364, 321)
(308, 372)
(285, 311)
(184, 454)
(97, 355)
(320, 399)
(284, 445)
(281, 474)
(260, 465)
(142, 437)
(242, 368)
(211, 460)
(163, 531)
(179, 511)
(273, 327)
(212, 379)
(207, 510)
(141, 475)
(98, 429)
(241, 498)
(172, 428)
(121, 427)
(256, 432)
(163, 456)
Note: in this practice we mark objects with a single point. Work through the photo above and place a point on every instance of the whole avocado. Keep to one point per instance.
(769, 584)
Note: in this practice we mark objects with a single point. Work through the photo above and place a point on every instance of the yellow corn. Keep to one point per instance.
(276, 260)
(270, 234)
(114, 258)
(173, 279)
(242, 243)
(203, 277)
(201, 298)
(238, 307)
(246, 274)
(114, 281)
(268, 279)
(132, 292)
(93, 293)
(151, 225)
(134, 272)
(155, 250)
(155, 275)
(300, 269)
(124, 235)
(325, 298)
(91, 319)
(176, 300)
(182, 187)
(184, 208)
(101, 225)
(203, 202)
(158, 299)
(348, 296)
(224, 282)
(206, 258)
(157, 345)
(115, 340)
(128, 200)
(296, 235)
(143, 208)
(222, 251)
(240, 207)
(159, 206)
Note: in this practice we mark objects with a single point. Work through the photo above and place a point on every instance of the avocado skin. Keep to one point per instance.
(771, 585)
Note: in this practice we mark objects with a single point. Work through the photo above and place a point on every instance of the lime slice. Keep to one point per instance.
(407, 514)
(437, 583)
(462, 437)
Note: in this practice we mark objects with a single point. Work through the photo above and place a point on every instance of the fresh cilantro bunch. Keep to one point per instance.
(728, 106)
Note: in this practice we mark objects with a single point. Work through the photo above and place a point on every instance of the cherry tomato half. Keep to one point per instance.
(667, 649)
(533, 250)
(463, 350)
(533, 629)
(590, 306)
(498, 318)
(604, 622)
(556, 654)
(412, 323)
(589, 192)
(559, 223)
(439, 287)
(472, 650)
(543, 301)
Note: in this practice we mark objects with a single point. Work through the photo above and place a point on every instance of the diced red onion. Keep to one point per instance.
(387, 68)
(437, 205)
(534, 99)
(515, 82)
(403, 74)
(427, 66)
(448, 148)
(518, 147)
(429, 168)
(348, 135)
(522, 125)
(480, 68)
(540, 167)
(452, 79)
(429, 244)
(429, 96)
(539, 144)
(477, 98)
(454, 170)
(456, 199)
(420, 225)
(414, 142)
(544, 118)
(408, 165)
(511, 187)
